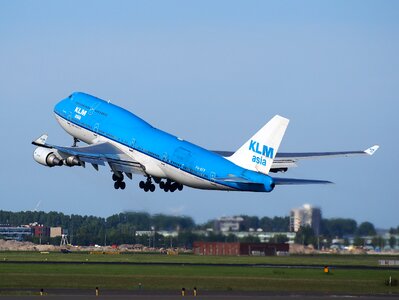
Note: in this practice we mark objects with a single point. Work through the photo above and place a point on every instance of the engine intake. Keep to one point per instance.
(46, 157)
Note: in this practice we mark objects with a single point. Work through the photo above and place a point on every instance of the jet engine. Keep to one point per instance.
(46, 157)
(72, 161)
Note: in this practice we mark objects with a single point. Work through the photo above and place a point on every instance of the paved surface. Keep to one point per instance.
(283, 266)
(146, 295)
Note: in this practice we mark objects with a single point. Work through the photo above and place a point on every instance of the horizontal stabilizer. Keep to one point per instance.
(294, 181)
(233, 179)
(284, 161)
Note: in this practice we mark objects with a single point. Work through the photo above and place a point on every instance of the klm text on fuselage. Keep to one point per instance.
(266, 151)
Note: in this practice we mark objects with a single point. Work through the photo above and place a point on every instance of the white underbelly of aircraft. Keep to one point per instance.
(191, 180)
(154, 167)
(76, 131)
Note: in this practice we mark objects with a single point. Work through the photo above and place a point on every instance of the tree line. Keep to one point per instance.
(121, 228)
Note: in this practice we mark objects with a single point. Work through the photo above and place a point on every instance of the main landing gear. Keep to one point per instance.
(119, 183)
(167, 186)
(170, 186)
(147, 186)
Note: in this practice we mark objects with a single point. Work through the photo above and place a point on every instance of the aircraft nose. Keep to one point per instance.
(61, 107)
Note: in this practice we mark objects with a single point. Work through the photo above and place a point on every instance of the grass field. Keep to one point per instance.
(315, 260)
(210, 278)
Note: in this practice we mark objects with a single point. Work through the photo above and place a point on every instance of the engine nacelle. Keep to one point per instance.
(72, 161)
(46, 157)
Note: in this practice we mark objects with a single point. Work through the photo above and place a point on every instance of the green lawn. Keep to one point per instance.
(36, 276)
(317, 260)
(212, 278)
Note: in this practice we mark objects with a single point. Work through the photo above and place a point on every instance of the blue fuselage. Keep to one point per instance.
(126, 129)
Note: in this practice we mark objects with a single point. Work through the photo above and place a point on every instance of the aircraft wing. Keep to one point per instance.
(96, 154)
(284, 161)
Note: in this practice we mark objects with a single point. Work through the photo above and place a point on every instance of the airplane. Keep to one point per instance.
(129, 145)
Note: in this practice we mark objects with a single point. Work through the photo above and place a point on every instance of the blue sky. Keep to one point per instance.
(212, 72)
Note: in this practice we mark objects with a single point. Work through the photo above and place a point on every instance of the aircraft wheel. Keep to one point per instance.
(162, 185)
(116, 185)
(146, 189)
(142, 184)
(122, 185)
(166, 188)
(180, 187)
(173, 187)
(152, 187)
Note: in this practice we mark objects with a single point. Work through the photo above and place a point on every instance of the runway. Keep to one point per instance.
(146, 295)
(282, 266)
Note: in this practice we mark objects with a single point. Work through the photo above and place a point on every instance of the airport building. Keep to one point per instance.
(305, 216)
(55, 232)
(256, 249)
(228, 224)
(41, 231)
(15, 232)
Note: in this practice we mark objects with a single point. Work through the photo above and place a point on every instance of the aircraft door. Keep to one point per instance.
(95, 128)
(132, 143)
(165, 157)
(93, 107)
(212, 176)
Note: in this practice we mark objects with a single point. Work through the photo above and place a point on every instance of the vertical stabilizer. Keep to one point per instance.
(258, 153)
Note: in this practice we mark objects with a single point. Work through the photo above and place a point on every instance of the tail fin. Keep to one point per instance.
(258, 153)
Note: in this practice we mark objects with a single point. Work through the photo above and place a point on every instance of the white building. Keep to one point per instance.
(55, 231)
(225, 224)
(305, 216)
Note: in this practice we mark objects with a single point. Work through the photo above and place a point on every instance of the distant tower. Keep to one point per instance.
(64, 240)
(305, 216)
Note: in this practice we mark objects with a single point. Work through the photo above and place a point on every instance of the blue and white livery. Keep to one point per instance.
(129, 145)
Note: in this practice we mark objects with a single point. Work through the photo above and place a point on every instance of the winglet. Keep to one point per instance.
(41, 141)
(371, 150)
